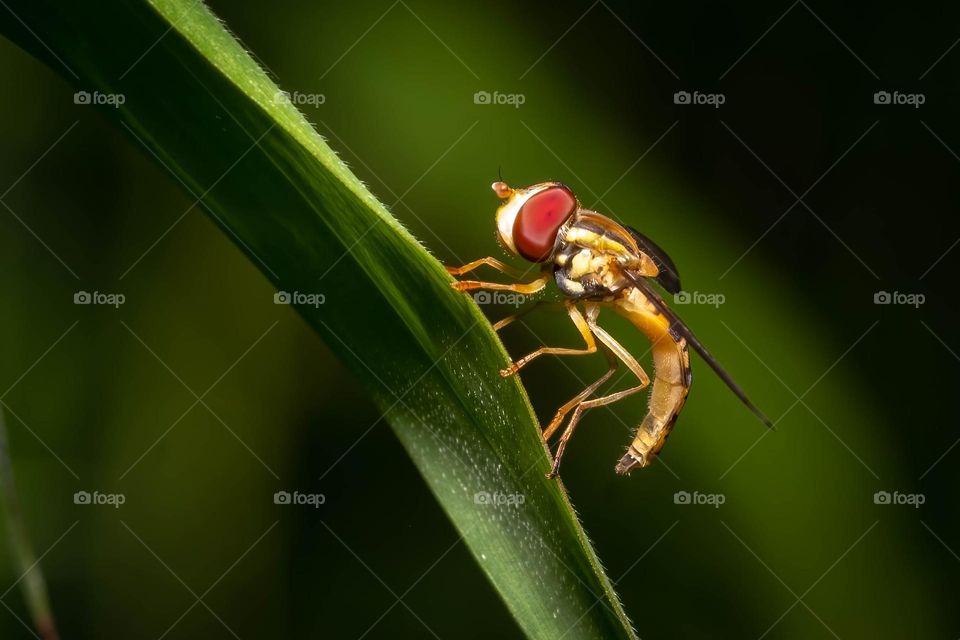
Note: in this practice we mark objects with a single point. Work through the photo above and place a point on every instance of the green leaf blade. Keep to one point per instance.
(210, 115)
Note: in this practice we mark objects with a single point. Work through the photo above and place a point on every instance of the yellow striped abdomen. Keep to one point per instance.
(671, 381)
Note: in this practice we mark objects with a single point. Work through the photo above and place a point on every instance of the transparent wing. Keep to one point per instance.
(669, 277)
(679, 327)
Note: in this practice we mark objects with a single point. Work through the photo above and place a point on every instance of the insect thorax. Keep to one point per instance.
(585, 273)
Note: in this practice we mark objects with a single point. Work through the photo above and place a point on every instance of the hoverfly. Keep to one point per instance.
(599, 263)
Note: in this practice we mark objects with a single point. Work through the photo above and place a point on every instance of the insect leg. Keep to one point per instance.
(615, 347)
(490, 262)
(578, 413)
(620, 351)
(526, 288)
(565, 409)
(500, 324)
(581, 324)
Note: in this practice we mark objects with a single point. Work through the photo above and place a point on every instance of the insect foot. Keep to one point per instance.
(554, 424)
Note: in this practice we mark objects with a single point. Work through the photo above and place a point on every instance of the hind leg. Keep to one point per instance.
(623, 355)
(562, 412)
(578, 413)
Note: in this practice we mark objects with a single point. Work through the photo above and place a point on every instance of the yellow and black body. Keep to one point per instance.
(598, 263)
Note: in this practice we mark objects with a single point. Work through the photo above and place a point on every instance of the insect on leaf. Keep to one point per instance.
(211, 116)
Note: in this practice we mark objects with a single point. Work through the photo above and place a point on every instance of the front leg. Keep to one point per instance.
(490, 262)
(524, 288)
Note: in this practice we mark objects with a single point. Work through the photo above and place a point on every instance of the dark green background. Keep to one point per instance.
(398, 81)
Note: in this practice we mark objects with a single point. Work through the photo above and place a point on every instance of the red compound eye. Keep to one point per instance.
(539, 219)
